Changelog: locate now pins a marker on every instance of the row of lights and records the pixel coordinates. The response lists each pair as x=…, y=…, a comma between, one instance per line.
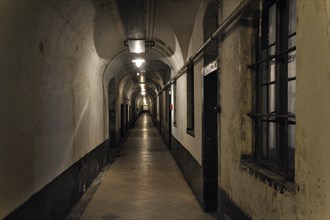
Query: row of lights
x=143, y=89
x=138, y=47
x=138, y=63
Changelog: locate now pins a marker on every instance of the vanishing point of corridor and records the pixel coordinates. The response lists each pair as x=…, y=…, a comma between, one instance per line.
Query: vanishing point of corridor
x=144, y=182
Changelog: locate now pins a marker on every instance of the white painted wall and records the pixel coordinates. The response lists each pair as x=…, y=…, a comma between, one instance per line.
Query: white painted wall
x=51, y=96
x=192, y=144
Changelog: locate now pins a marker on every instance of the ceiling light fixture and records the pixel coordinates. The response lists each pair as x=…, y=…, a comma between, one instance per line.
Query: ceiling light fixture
x=143, y=88
x=136, y=46
x=142, y=79
x=138, y=62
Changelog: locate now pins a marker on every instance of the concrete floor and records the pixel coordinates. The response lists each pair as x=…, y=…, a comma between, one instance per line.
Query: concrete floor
x=144, y=183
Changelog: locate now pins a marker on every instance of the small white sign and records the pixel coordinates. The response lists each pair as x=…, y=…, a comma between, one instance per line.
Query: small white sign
x=210, y=67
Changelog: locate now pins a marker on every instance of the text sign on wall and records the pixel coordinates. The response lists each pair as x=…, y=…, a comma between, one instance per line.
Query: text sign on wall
x=210, y=67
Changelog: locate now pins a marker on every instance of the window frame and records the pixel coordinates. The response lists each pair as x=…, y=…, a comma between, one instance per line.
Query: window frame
x=280, y=116
x=174, y=104
x=190, y=100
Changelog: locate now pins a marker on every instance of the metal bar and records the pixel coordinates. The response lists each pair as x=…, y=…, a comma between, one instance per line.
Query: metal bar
x=268, y=83
x=234, y=16
x=271, y=114
x=272, y=57
x=291, y=35
x=292, y=78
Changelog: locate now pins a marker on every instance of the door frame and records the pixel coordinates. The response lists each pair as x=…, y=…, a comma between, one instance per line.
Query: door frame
x=169, y=118
x=122, y=120
x=210, y=188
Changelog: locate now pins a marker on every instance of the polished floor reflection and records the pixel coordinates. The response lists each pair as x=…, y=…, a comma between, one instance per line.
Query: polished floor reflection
x=144, y=183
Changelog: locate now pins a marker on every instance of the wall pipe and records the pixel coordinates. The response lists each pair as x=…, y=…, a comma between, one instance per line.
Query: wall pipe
x=232, y=18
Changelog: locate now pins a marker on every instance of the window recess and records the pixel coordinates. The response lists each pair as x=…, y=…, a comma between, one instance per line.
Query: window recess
x=275, y=88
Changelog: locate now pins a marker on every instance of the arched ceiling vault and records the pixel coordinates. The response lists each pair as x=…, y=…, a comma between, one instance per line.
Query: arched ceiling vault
x=168, y=23
x=129, y=83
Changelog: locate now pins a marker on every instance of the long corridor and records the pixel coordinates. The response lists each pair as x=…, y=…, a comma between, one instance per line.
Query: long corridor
x=144, y=182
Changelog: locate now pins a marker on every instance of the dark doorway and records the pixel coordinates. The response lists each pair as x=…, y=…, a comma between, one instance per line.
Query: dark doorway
x=154, y=109
x=210, y=143
x=112, y=128
x=127, y=119
x=160, y=112
x=133, y=115
x=169, y=119
x=113, y=133
x=122, y=120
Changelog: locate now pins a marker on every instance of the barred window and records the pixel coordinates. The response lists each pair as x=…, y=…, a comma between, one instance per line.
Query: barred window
x=275, y=87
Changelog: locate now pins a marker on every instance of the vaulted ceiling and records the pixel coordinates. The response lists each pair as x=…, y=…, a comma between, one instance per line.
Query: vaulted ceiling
x=167, y=23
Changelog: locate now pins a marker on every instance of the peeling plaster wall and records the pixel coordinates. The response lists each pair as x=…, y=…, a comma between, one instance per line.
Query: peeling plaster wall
x=313, y=113
x=51, y=96
x=310, y=198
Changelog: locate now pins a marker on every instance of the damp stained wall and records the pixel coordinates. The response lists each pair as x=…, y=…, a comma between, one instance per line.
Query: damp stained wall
x=309, y=198
x=51, y=96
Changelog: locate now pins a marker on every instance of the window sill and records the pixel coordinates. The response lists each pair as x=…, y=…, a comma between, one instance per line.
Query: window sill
x=191, y=132
x=278, y=182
